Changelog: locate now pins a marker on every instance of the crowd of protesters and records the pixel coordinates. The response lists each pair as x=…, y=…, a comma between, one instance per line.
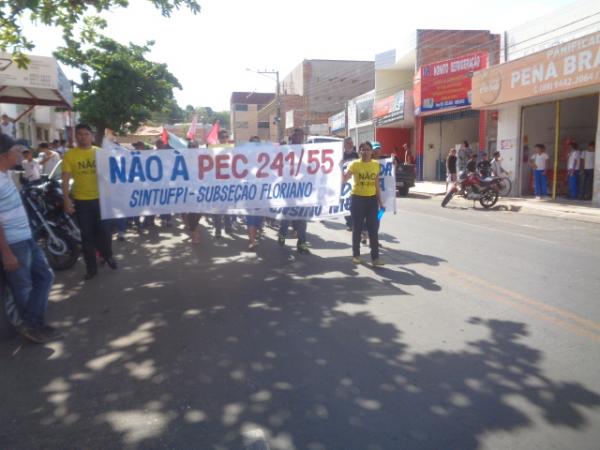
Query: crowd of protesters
x=26, y=270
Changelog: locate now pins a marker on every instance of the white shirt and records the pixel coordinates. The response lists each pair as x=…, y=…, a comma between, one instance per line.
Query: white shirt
x=573, y=162
x=589, y=159
x=51, y=163
x=8, y=129
x=497, y=168
x=32, y=170
x=539, y=159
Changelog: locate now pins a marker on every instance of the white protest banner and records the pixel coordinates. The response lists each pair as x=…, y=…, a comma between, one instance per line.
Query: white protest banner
x=339, y=208
x=134, y=183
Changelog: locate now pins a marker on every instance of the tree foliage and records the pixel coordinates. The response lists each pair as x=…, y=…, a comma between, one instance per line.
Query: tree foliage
x=66, y=15
x=120, y=89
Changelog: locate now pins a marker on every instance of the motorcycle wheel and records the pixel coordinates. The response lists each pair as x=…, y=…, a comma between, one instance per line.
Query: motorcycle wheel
x=447, y=198
x=504, y=187
x=488, y=198
x=63, y=253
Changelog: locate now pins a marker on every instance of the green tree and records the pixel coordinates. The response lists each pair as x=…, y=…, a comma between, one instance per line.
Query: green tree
x=65, y=15
x=171, y=113
x=120, y=88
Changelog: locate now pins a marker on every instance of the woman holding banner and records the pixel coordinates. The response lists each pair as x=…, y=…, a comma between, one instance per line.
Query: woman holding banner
x=366, y=201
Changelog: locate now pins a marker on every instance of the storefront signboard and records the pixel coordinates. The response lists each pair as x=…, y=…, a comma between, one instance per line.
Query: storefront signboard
x=445, y=85
x=337, y=122
x=572, y=65
x=389, y=109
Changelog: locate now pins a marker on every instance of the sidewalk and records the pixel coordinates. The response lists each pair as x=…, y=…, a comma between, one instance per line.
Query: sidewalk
x=563, y=208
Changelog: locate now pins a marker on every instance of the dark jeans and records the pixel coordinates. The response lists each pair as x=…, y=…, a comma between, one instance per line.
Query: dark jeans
x=30, y=284
x=95, y=233
x=220, y=220
x=298, y=225
x=365, y=208
x=588, y=183
x=192, y=220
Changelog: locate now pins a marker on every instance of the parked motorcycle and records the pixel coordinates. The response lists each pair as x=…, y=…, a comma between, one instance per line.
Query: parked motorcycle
x=472, y=187
x=56, y=230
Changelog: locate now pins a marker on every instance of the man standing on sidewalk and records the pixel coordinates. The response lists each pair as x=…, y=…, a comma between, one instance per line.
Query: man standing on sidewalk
x=80, y=163
x=588, y=161
x=538, y=164
x=27, y=272
x=573, y=170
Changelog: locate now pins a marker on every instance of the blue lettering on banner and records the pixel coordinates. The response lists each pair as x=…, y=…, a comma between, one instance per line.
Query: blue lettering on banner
x=153, y=169
x=153, y=197
x=303, y=212
x=227, y=193
x=180, y=169
x=286, y=191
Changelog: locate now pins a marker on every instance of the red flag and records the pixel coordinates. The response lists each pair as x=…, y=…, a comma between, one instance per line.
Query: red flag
x=191, y=134
x=213, y=135
x=165, y=136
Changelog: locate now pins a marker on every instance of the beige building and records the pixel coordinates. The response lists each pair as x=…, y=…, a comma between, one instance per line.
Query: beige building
x=244, y=107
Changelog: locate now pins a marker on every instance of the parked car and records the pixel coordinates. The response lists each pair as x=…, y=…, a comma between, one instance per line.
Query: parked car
x=405, y=178
x=320, y=139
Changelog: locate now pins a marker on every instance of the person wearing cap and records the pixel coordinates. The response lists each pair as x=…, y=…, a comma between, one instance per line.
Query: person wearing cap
x=80, y=163
x=27, y=272
x=366, y=201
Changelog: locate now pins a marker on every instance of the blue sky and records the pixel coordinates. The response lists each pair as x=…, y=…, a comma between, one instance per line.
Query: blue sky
x=209, y=52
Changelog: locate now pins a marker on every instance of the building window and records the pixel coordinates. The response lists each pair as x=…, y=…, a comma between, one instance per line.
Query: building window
x=241, y=107
x=364, y=110
x=241, y=125
x=263, y=124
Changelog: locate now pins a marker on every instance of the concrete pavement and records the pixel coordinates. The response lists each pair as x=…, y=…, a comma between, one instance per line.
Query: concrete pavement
x=560, y=207
x=482, y=332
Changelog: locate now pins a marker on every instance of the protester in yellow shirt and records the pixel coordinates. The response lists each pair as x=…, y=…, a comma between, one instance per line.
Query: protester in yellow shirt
x=366, y=201
x=80, y=163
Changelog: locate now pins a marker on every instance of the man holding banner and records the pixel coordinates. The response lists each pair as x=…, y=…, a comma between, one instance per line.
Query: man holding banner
x=366, y=201
x=299, y=225
x=80, y=163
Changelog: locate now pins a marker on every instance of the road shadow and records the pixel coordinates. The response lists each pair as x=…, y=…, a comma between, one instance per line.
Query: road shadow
x=212, y=347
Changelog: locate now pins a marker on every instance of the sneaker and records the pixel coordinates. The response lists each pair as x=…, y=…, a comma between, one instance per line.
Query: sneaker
x=537, y=197
x=281, y=241
x=33, y=334
x=252, y=247
x=377, y=263
x=303, y=249
x=111, y=263
x=50, y=332
x=218, y=235
x=348, y=228
x=356, y=260
x=90, y=274
x=121, y=236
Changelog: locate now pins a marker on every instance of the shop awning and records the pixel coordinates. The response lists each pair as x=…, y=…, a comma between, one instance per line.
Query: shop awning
x=42, y=83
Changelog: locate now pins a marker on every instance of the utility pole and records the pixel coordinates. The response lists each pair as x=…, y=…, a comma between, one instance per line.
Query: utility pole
x=277, y=101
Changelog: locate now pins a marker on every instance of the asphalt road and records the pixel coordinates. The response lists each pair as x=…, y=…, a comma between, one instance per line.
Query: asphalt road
x=482, y=332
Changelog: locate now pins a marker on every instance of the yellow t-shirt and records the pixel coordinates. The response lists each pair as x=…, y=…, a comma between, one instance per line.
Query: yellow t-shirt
x=366, y=177
x=81, y=164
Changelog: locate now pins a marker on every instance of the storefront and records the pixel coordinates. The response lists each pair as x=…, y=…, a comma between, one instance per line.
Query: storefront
x=444, y=116
x=550, y=98
x=393, y=119
x=360, y=118
x=337, y=124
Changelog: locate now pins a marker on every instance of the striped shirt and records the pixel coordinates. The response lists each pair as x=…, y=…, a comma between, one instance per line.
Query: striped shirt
x=13, y=217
